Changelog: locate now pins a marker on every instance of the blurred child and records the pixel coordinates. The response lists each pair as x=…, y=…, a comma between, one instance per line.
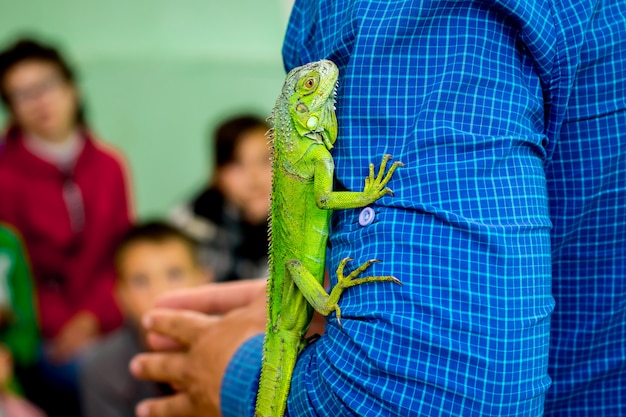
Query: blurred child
x=152, y=259
x=229, y=217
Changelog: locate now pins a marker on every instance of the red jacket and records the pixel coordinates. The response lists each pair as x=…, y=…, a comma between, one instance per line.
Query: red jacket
x=73, y=270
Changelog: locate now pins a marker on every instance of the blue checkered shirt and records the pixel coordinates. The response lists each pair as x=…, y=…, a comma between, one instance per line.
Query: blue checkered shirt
x=508, y=116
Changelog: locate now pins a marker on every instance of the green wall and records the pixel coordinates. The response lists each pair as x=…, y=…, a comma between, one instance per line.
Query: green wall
x=158, y=75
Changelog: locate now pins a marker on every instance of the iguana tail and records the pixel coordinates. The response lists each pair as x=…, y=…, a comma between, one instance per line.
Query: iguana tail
x=276, y=374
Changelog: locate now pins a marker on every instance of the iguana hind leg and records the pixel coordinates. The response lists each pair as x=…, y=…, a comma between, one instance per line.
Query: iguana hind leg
x=315, y=294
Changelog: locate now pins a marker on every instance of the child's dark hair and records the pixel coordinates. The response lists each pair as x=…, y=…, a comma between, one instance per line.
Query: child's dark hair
x=154, y=231
x=228, y=135
x=27, y=49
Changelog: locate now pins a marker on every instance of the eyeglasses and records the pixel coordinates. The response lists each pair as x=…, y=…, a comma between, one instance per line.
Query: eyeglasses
x=32, y=92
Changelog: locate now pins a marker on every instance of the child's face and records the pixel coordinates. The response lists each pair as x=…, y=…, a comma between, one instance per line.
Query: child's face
x=150, y=269
x=247, y=181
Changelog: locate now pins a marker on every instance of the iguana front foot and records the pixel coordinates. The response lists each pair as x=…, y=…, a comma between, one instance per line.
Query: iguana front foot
x=351, y=280
x=376, y=185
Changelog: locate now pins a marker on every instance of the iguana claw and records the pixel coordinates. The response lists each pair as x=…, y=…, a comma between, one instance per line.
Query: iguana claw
x=351, y=280
x=376, y=183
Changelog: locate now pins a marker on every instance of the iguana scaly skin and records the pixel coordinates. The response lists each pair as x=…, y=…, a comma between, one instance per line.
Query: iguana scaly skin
x=304, y=129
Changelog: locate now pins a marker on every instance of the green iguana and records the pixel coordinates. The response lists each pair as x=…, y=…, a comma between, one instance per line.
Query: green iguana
x=304, y=129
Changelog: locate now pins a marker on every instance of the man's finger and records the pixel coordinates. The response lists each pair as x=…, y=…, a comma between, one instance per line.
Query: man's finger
x=181, y=325
x=178, y=405
x=217, y=298
x=162, y=343
x=162, y=367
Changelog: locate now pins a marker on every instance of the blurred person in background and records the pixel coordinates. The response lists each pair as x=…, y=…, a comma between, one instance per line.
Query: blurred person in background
x=66, y=193
x=152, y=259
x=229, y=218
x=19, y=333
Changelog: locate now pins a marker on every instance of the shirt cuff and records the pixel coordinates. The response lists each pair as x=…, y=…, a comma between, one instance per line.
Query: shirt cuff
x=241, y=381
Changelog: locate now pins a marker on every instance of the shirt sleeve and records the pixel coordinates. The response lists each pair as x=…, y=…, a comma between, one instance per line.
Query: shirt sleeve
x=240, y=384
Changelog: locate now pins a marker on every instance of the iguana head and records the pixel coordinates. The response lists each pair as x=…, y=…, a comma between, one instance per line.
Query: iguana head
x=310, y=91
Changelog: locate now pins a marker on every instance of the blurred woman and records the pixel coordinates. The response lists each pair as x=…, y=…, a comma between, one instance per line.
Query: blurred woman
x=67, y=195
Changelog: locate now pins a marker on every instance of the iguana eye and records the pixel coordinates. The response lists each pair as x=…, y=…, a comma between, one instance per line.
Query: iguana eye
x=309, y=83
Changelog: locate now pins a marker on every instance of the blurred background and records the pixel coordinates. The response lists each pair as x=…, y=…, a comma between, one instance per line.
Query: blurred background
x=159, y=75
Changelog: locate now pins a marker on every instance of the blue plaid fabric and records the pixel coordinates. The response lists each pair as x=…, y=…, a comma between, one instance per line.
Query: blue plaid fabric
x=507, y=115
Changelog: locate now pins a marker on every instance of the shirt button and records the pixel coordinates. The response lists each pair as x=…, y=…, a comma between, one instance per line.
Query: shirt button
x=367, y=216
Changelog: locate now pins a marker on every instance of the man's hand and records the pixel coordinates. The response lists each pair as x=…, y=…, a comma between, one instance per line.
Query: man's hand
x=205, y=345
x=216, y=298
x=195, y=347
